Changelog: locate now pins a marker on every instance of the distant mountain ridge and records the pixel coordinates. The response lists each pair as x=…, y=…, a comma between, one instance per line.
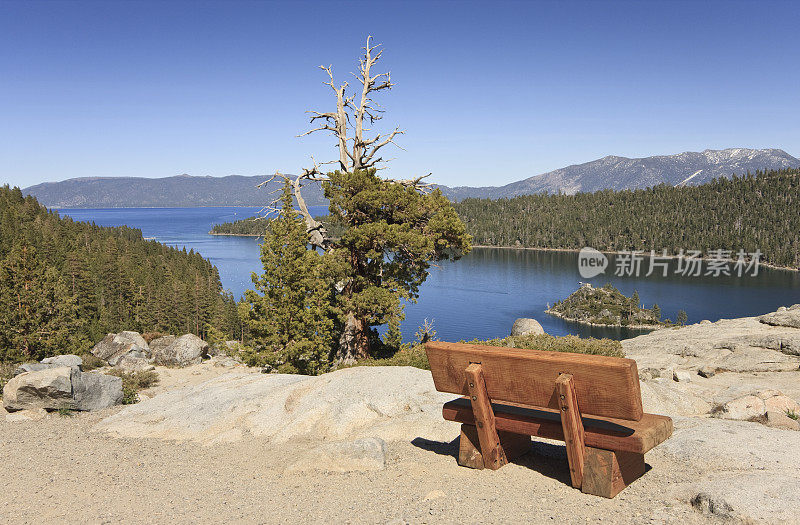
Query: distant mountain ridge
x=612, y=172
x=619, y=173
x=180, y=191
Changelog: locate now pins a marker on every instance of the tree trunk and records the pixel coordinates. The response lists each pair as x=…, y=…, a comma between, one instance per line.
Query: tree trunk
x=354, y=341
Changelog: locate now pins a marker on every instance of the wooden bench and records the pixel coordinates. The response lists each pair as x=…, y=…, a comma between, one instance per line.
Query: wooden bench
x=592, y=403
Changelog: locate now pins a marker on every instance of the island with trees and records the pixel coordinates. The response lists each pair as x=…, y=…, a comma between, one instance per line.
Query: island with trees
x=607, y=306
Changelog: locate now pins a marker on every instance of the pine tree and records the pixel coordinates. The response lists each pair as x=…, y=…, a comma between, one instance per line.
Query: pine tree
x=65, y=284
x=37, y=312
x=392, y=235
x=289, y=314
x=682, y=318
x=393, y=339
x=656, y=312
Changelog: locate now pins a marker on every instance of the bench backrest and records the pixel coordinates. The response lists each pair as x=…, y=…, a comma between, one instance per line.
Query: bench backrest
x=605, y=386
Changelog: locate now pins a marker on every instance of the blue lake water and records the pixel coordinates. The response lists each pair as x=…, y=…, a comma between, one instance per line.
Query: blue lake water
x=480, y=295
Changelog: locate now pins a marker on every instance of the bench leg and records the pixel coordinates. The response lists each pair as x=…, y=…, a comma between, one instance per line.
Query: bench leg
x=607, y=472
x=572, y=425
x=469, y=447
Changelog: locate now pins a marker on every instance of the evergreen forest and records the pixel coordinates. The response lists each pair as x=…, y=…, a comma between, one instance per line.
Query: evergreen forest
x=65, y=284
x=751, y=212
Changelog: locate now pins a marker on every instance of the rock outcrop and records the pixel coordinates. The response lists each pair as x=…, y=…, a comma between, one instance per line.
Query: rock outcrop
x=62, y=388
x=524, y=326
x=47, y=363
x=390, y=403
x=768, y=406
x=32, y=367
x=741, y=471
x=182, y=351
x=789, y=317
x=730, y=345
x=134, y=362
x=159, y=344
x=114, y=346
x=48, y=389
x=129, y=352
x=95, y=391
x=31, y=414
x=63, y=360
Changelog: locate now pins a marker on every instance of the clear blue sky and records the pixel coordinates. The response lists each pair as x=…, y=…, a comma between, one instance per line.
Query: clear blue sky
x=488, y=92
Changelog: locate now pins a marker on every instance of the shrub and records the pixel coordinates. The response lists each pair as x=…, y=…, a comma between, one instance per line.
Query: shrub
x=414, y=355
x=150, y=336
x=91, y=362
x=568, y=343
x=133, y=382
x=409, y=355
x=6, y=373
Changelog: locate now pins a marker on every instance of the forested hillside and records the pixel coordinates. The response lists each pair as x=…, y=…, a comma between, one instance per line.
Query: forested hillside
x=65, y=284
x=751, y=212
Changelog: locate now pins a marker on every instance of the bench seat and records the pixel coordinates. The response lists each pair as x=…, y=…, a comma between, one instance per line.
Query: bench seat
x=600, y=432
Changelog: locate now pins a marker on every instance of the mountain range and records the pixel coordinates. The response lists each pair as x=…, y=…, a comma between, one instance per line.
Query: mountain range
x=181, y=191
x=617, y=173
x=621, y=173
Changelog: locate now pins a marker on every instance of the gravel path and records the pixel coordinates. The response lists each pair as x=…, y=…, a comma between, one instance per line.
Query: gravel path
x=58, y=470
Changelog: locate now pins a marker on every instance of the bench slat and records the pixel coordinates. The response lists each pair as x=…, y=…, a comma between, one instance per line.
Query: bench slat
x=599, y=432
x=605, y=386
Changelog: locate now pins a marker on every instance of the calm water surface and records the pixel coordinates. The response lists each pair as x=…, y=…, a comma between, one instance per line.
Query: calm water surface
x=480, y=295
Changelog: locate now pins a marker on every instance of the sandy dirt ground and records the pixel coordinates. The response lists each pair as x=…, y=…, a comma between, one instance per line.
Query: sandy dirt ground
x=60, y=471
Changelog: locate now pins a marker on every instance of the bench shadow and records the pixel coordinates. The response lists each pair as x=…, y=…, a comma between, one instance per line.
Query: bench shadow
x=548, y=459
x=442, y=448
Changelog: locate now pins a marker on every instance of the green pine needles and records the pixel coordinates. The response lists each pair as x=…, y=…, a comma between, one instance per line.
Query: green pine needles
x=312, y=310
x=289, y=315
x=65, y=284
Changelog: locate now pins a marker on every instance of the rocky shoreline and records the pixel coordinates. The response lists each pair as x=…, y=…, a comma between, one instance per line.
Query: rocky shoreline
x=237, y=234
x=650, y=327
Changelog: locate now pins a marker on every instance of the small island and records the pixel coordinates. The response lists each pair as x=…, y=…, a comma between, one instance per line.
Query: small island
x=256, y=226
x=607, y=306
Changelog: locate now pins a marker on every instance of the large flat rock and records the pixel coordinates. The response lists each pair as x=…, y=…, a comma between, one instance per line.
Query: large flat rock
x=736, y=345
x=391, y=403
x=746, y=467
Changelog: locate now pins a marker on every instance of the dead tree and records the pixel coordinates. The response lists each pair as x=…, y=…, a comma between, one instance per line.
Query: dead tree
x=355, y=153
x=359, y=149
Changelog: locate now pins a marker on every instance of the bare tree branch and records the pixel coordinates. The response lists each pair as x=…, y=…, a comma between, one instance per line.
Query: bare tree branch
x=317, y=234
x=356, y=152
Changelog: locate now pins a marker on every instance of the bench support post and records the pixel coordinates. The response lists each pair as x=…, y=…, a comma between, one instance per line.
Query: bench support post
x=492, y=451
x=469, y=447
x=608, y=472
x=573, y=428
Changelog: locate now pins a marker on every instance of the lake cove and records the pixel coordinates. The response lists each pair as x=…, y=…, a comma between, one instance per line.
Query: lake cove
x=482, y=294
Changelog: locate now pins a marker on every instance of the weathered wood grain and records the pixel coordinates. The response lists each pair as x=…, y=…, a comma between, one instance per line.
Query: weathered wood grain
x=572, y=426
x=607, y=472
x=491, y=449
x=605, y=386
x=469, y=448
x=469, y=451
x=607, y=433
